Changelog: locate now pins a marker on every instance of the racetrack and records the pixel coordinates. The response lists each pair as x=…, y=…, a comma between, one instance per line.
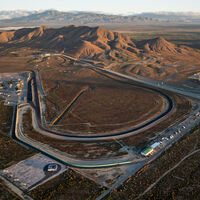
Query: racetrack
x=129, y=132
x=20, y=136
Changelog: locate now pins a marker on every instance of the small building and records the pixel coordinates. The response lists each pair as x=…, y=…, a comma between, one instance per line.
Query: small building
x=156, y=144
x=147, y=151
x=52, y=167
x=45, y=54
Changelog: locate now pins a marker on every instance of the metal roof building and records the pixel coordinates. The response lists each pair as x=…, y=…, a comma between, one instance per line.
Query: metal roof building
x=156, y=144
x=146, y=152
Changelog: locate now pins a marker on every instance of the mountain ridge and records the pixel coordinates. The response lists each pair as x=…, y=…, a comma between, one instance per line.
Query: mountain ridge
x=85, y=41
x=61, y=18
x=80, y=41
x=54, y=17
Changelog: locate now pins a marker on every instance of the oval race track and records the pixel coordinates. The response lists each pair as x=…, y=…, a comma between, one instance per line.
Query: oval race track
x=120, y=134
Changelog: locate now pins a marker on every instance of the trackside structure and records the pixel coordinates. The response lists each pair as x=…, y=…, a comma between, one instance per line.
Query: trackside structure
x=147, y=151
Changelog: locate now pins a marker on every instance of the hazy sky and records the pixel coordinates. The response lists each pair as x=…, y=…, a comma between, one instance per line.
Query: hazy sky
x=107, y=6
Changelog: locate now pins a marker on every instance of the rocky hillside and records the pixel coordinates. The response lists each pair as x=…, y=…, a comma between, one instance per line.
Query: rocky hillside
x=161, y=46
x=82, y=41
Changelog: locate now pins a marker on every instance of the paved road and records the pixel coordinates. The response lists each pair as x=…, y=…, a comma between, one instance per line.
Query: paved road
x=139, y=79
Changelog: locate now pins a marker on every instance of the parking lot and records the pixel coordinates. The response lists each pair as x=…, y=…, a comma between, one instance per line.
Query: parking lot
x=33, y=171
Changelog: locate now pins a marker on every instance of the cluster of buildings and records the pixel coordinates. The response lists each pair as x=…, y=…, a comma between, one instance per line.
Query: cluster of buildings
x=151, y=149
x=11, y=84
x=195, y=76
x=11, y=90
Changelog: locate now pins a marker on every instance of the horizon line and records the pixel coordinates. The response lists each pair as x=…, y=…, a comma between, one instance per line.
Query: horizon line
x=102, y=12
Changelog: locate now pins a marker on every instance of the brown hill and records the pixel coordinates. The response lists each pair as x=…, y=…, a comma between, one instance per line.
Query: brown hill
x=6, y=36
x=93, y=42
x=159, y=45
x=82, y=41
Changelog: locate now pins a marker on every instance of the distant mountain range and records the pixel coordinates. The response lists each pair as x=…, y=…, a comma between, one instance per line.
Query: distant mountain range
x=54, y=17
x=58, y=18
x=173, y=16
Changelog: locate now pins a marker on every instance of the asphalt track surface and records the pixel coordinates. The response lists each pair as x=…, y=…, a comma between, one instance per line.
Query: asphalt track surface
x=110, y=163
x=128, y=132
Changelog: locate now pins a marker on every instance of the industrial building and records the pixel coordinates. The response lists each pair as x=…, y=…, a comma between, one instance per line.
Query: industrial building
x=156, y=144
x=147, y=151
